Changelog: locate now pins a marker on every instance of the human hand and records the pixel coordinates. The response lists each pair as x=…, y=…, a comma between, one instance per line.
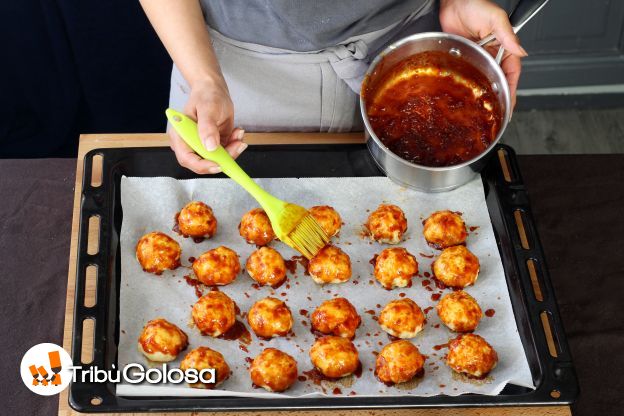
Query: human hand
x=211, y=107
x=476, y=19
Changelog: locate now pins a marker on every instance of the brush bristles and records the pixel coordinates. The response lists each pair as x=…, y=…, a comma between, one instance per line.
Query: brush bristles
x=308, y=237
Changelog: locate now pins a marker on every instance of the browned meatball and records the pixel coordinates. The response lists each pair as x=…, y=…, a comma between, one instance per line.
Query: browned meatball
x=162, y=341
x=273, y=370
x=459, y=311
x=456, y=267
x=266, y=266
x=157, y=252
x=334, y=357
x=255, y=227
x=330, y=265
x=445, y=229
x=472, y=355
x=217, y=267
x=402, y=318
x=387, y=224
x=398, y=362
x=270, y=317
x=204, y=358
x=336, y=317
x=395, y=267
x=328, y=218
x=214, y=313
x=197, y=220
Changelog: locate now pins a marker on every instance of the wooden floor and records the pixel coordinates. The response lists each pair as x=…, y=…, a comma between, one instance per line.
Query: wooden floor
x=566, y=131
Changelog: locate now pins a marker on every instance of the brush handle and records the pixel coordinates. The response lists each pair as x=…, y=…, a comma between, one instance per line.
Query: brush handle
x=187, y=129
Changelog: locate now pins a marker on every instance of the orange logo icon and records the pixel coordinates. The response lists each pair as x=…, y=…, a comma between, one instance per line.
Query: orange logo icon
x=45, y=369
x=55, y=367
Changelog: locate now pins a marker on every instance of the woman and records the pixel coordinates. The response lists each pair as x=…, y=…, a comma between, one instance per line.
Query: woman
x=294, y=64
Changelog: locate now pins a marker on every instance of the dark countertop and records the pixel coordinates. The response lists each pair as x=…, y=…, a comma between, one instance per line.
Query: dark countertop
x=577, y=202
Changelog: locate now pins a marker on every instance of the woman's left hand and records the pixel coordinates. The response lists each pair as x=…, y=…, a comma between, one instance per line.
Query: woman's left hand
x=476, y=19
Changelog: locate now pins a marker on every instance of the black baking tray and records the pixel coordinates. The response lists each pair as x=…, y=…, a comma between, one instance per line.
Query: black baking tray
x=551, y=368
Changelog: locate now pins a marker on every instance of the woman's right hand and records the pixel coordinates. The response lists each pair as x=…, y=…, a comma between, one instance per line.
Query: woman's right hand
x=211, y=107
x=181, y=27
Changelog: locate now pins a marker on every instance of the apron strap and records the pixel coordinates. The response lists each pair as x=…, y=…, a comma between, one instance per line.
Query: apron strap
x=350, y=64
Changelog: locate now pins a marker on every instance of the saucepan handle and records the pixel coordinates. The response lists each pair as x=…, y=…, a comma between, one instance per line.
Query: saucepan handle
x=524, y=11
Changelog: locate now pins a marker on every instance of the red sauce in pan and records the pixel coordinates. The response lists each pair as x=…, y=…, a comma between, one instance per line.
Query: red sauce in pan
x=432, y=118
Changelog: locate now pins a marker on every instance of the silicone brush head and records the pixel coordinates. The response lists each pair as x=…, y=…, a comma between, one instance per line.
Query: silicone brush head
x=297, y=228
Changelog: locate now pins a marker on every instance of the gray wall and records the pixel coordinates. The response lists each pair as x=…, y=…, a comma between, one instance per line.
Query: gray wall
x=573, y=43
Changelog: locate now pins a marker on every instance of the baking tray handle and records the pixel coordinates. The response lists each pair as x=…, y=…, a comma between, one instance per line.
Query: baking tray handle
x=534, y=279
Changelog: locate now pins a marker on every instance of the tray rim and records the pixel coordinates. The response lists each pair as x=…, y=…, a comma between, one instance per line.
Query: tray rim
x=515, y=185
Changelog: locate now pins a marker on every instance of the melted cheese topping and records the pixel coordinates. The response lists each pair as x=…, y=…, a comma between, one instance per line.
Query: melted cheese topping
x=217, y=267
x=445, y=229
x=196, y=219
x=328, y=218
x=273, y=370
x=387, y=224
x=266, y=266
x=456, y=267
x=157, y=252
x=330, y=265
x=270, y=317
x=214, y=313
x=395, y=267
x=161, y=340
x=334, y=357
x=202, y=358
x=459, y=311
x=402, y=318
x=398, y=362
x=336, y=317
x=471, y=354
x=255, y=227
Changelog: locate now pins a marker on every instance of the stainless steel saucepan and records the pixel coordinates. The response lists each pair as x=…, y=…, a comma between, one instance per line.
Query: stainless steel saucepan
x=438, y=179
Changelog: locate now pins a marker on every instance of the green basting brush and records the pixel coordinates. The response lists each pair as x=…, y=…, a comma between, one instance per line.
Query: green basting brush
x=291, y=223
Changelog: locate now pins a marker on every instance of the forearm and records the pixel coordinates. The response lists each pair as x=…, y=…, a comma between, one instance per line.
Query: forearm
x=181, y=28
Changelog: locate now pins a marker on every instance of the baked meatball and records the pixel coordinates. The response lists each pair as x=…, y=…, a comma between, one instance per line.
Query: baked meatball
x=162, y=341
x=270, y=317
x=398, y=362
x=214, y=313
x=395, y=267
x=386, y=224
x=203, y=358
x=328, y=218
x=402, y=318
x=456, y=267
x=266, y=266
x=330, y=265
x=217, y=267
x=273, y=370
x=157, y=252
x=334, y=357
x=472, y=355
x=336, y=317
x=445, y=229
x=459, y=311
x=197, y=220
x=255, y=227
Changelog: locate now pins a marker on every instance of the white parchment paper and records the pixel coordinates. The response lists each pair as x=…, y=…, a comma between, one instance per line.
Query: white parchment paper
x=149, y=204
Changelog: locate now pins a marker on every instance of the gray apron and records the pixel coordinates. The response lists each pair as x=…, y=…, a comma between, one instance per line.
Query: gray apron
x=282, y=90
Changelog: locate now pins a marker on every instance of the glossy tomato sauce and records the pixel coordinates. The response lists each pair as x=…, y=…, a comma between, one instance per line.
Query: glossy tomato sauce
x=433, y=109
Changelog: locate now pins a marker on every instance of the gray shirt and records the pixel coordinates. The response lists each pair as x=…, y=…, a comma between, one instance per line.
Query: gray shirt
x=304, y=25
